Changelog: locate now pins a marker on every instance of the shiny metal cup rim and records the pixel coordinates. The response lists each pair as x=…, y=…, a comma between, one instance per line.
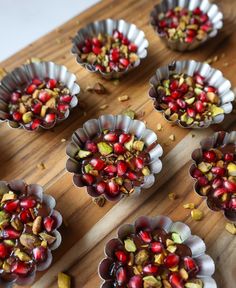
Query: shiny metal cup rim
x=207, y=143
x=93, y=127
x=212, y=10
x=213, y=76
x=38, y=191
x=106, y=26
x=26, y=73
x=195, y=243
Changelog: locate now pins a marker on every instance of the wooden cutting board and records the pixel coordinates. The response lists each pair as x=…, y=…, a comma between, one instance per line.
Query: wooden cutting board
x=88, y=227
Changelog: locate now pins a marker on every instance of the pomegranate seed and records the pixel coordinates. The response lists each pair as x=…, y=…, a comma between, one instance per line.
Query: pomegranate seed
x=25, y=216
x=66, y=98
x=218, y=171
x=202, y=181
x=114, y=55
x=205, y=27
x=20, y=268
x=167, y=99
x=121, y=256
x=100, y=68
x=97, y=163
x=113, y=188
x=145, y=236
x=216, y=183
x=28, y=203
x=123, y=138
x=190, y=265
x=191, y=33
x=91, y=146
x=96, y=42
x=173, y=106
x=10, y=233
x=132, y=47
x=44, y=96
x=156, y=247
x=86, y=49
x=209, y=156
x=171, y=260
x=39, y=253
x=88, y=42
x=17, y=116
x=191, y=112
x=230, y=186
x=35, y=124
x=124, y=62
x=31, y=88
x=15, y=96
x=119, y=148
x=101, y=187
x=50, y=118
x=203, y=18
x=174, y=85
x=199, y=79
x=52, y=83
x=36, y=81
x=162, y=24
x=229, y=157
x=182, y=104
x=63, y=107
x=117, y=34
x=210, y=89
x=121, y=168
x=199, y=107
x=139, y=162
x=176, y=281
x=113, y=66
x=49, y=223
x=188, y=39
x=135, y=282
x=111, y=137
x=132, y=176
x=125, y=41
x=150, y=269
x=121, y=276
x=202, y=96
x=175, y=94
x=37, y=108
x=11, y=206
x=96, y=50
x=3, y=251
x=88, y=179
x=110, y=169
x=183, y=88
x=196, y=173
x=197, y=11
x=219, y=192
x=232, y=204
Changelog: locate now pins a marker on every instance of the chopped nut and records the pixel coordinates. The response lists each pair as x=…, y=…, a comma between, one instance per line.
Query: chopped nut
x=197, y=214
x=123, y=98
x=99, y=201
x=172, y=137
x=129, y=113
x=8, y=196
x=33, y=60
x=99, y=88
x=29, y=241
x=63, y=140
x=64, y=281
x=172, y=196
x=176, y=238
x=141, y=257
x=104, y=148
x=138, y=145
x=103, y=107
x=231, y=228
x=37, y=225
x=215, y=58
x=130, y=245
x=41, y=166
x=189, y=206
x=159, y=127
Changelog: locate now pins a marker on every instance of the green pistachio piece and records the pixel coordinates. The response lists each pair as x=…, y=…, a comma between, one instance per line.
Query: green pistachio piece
x=231, y=169
x=196, y=284
x=129, y=113
x=166, y=83
x=88, y=168
x=9, y=242
x=128, y=145
x=4, y=219
x=189, y=121
x=204, y=167
x=83, y=154
x=104, y=148
x=215, y=110
x=197, y=91
x=152, y=282
x=130, y=245
x=22, y=255
x=48, y=238
x=176, y=238
x=141, y=257
x=138, y=145
x=146, y=171
x=171, y=248
x=27, y=117
x=29, y=241
x=184, y=117
x=190, y=100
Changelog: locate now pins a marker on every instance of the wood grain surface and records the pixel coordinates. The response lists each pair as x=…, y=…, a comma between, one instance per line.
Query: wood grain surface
x=88, y=227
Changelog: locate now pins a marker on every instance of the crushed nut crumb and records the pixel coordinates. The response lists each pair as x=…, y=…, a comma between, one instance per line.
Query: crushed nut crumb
x=103, y=107
x=159, y=127
x=63, y=280
x=41, y=166
x=172, y=137
x=123, y=98
x=189, y=206
x=197, y=214
x=63, y=140
x=100, y=201
x=129, y=113
x=231, y=228
x=172, y=196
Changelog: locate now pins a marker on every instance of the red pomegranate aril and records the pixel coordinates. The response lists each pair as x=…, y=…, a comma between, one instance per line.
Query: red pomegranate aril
x=229, y=157
x=219, y=192
x=63, y=107
x=171, y=260
x=218, y=171
x=202, y=181
x=97, y=163
x=20, y=267
x=197, y=11
x=210, y=89
x=28, y=203
x=37, y=108
x=121, y=256
x=139, y=162
x=132, y=47
x=91, y=146
x=117, y=34
x=111, y=137
x=197, y=173
x=86, y=49
x=174, y=85
x=110, y=169
x=88, y=179
x=121, y=276
x=232, y=204
x=190, y=265
x=176, y=281
x=132, y=176
x=166, y=99
x=31, y=88
x=199, y=79
x=50, y=118
x=209, y=156
x=113, y=188
x=205, y=27
x=175, y=94
x=124, y=62
x=114, y=56
x=189, y=39
x=3, y=251
x=200, y=108
x=25, y=216
x=49, y=223
x=52, y=83
x=216, y=183
x=15, y=96
x=121, y=168
x=119, y=148
x=145, y=236
x=156, y=247
x=150, y=269
x=10, y=233
x=191, y=112
x=173, y=106
x=36, y=81
x=88, y=42
x=135, y=282
x=39, y=253
x=125, y=41
x=230, y=186
x=11, y=206
x=202, y=96
x=181, y=103
x=191, y=33
x=96, y=42
x=123, y=138
x=96, y=50
x=183, y=88
x=17, y=116
x=204, y=18
x=44, y=96
x=35, y=124
x=66, y=98
x=101, y=187
x=162, y=23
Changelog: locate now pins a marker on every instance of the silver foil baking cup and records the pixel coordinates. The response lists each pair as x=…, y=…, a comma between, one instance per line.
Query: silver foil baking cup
x=93, y=127
x=218, y=139
x=107, y=26
x=213, y=76
x=36, y=190
x=212, y=10
x=195, y=243
x=24, y=74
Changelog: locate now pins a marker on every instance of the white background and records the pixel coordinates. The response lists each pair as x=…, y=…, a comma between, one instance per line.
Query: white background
x=23, y=21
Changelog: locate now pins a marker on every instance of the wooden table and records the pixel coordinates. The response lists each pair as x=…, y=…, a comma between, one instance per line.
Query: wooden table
x=88, y=227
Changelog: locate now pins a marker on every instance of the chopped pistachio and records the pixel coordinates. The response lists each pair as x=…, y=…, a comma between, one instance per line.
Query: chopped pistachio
x=159, y=127
x=104, y=148
x=128, y=145
x=176, y=238
x=189, y=206
x=129, y=113
x=231, y=228
x=172, y=137
x=204, y=167
x=123, y=98
x=103, y=107
x=130, y=245
x=138, y=145
x=197, y=214
x=64, y=281
x=99, y=201
x=83, y=154
x=172, y=196
x=141, y=257
x=146, y=171
x=231, y=167
x=215, y=110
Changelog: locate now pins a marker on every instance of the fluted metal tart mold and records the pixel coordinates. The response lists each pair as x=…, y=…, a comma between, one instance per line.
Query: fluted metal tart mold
x=110, y=122
x=195, y=243
x=37, y=190
x=107, y=26
x=213, y=76
x=24, y=74
x=216, y=140
x=211, y=9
